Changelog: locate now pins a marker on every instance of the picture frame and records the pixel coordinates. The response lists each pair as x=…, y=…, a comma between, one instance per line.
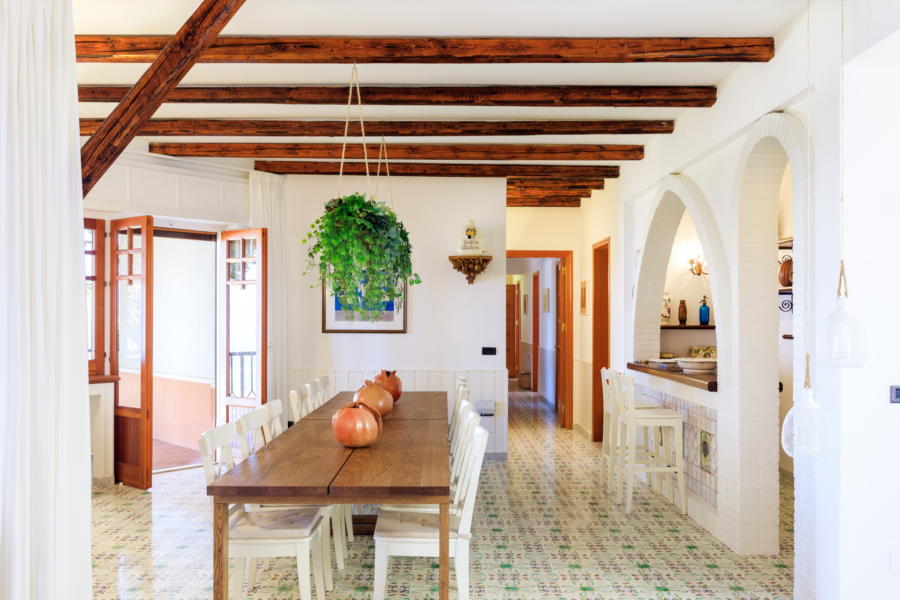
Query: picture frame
x=393, y=321
x=583, y=299
x=546, y=301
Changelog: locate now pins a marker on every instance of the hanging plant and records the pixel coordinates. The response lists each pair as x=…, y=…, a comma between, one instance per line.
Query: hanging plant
x=361, y=251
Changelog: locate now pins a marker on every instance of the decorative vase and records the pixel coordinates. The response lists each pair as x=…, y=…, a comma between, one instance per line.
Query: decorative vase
x=786, y=272
x=682, y=312
x=375, y=397
x=356, y=425
x=704, y=311
x=389, y=381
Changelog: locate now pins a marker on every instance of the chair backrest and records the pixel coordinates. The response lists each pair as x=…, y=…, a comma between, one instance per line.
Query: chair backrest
x=458, y=457
x=622, y=387
x=217, y=441
x=307, y=401
x=253, y=430
x=276, y=416
x=325, y=381
x=315, y=396
x=294, y=404
x=456, y=418
x=469, y=481
x=609, y=400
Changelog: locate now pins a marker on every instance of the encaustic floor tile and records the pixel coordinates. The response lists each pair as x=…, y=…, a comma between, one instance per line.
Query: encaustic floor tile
x=544, y=527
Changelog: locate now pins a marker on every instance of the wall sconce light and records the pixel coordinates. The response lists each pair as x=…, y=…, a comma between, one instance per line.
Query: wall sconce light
x=698, y=266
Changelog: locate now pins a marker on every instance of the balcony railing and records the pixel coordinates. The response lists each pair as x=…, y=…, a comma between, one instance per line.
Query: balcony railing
x=242, y=368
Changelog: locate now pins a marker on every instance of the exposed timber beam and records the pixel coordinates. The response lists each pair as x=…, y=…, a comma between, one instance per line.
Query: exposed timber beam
x=407, y=169
x=137, y=104
x=409, y=151
x=537, y=194
x=548, y=201
x=488, y=95
x=546, y=183
x=243, y=49
x=246, y=127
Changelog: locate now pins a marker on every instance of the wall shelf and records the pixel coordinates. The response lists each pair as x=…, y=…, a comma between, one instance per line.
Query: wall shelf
x=704, y=382
x=667, y=327
x=470, y=265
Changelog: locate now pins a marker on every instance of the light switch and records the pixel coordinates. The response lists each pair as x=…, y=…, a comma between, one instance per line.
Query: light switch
x=895, y=559
x=895, y=394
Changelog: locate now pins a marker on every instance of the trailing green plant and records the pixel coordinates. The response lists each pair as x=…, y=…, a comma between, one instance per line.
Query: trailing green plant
x=361, y=251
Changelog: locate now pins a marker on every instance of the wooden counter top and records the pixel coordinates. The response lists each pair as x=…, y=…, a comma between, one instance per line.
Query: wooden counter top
x=704, y=382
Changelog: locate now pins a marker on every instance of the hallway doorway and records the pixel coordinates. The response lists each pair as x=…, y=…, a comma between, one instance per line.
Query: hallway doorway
x=599, y=334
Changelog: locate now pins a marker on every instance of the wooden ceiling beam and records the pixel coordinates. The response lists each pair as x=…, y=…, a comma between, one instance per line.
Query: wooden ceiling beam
x=407, y=169
x=346, y=50
x=137, y=104
x=534, y=193
x=270, y=127
x=488, y=95
x=408, y=151
x=548, y=201
x=544, y=183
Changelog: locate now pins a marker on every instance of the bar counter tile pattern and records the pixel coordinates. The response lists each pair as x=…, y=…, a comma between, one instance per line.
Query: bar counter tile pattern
x=696, y=420
x=544, y=528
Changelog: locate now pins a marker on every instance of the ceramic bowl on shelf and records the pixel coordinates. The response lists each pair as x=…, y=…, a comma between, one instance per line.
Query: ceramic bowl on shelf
x=697, y=366
x=669, y=364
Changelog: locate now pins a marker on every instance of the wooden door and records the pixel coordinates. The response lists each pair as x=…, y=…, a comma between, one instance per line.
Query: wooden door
x=559, y=395
x=535, y=329
x=131, y=356
x=245, y=260
x=513, y=334
x=600, y=335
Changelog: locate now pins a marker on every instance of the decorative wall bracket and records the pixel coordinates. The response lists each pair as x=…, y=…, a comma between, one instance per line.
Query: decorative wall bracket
x=471, y=265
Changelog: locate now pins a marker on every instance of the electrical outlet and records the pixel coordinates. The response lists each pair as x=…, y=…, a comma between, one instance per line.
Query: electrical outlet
x=895, y=394
x=488, y=351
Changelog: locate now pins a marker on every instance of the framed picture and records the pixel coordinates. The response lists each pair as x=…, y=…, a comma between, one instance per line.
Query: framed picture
x=583, y=298
x=336, y=320
x=545, y=305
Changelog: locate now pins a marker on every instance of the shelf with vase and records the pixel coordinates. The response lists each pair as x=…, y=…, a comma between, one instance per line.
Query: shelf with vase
x=687, y=327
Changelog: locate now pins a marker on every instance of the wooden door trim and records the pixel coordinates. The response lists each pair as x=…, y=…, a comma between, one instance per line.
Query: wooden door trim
x=535, y=329
x=567, y=260
x=600, y=348
x=510, y=308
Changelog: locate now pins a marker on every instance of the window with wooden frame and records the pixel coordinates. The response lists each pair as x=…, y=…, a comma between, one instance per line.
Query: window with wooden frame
x=94, y=243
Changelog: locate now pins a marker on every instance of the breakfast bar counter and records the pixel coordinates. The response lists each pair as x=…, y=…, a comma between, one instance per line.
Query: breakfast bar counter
x=703, y=382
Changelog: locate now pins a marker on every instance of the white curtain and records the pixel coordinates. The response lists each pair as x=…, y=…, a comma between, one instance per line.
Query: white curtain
x=45, y=545
x=267, y=209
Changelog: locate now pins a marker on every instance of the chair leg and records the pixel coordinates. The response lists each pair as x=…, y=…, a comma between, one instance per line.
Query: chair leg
x=324, y=543
x=630, y=443
x=679, y=463
x=315, y=547
x=348, y=514
x=303, y=573
x=619, y=467
x=337, y=530
x=252, y=564
x=379, y=586
x=462, y=570
x=237, y=577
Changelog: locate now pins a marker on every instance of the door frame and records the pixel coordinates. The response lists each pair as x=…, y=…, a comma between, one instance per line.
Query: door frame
x=600, y=343
x=513, y=304
x=564, y=387
x=535, y=329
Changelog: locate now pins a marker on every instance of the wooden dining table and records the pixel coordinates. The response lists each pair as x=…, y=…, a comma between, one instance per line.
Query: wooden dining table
x=408, y=464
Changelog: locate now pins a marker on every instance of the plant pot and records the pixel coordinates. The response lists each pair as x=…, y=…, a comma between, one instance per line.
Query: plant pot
x=356, y=425
x=786, y=272
x=389, y=381
x=375, y=397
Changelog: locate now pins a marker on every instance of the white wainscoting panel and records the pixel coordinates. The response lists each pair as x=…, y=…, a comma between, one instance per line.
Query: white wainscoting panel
x=102, y=397
x=488, y=389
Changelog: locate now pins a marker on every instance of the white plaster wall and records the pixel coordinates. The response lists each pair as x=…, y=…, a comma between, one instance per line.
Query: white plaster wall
x=449, y=321
x=680, y=282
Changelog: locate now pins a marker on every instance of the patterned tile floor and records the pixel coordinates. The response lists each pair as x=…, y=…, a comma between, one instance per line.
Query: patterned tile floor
x=544, y=528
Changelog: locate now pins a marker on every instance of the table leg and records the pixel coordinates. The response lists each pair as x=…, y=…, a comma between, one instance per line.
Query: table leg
x=444, y=552
x=220, y=550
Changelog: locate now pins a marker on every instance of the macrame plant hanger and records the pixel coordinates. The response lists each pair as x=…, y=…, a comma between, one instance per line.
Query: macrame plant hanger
x=382, y=154
x=354, y=84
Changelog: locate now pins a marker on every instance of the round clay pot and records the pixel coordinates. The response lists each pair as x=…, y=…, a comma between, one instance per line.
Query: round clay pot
x=356, y=425
x=786, y=272
x=389, y=381
x=375, y=397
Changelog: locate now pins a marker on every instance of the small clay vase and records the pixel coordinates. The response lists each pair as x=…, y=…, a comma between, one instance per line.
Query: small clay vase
x=375, y=397
x=356, y=425
x=389, y=381
x=682, y=313
x=786, y=272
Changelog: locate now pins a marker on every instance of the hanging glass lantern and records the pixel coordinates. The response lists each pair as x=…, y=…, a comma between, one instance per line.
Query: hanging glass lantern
x=847, y=344
x=801, y=434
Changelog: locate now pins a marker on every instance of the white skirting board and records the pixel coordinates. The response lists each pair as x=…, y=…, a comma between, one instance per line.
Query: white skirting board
x=488, y=389
x=102, y=398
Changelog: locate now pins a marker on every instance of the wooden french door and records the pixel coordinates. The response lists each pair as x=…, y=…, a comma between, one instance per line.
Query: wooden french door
x=535, y=330
x=245, y=257
x=600, y=335
x=558, y=396
x=131, y=356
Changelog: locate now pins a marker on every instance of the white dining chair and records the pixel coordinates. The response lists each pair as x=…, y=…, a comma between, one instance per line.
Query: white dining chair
x=253, y=433
x=415, y=534
x=325, y=387
x=294, y=533
x=630, y=457
x=276, y=416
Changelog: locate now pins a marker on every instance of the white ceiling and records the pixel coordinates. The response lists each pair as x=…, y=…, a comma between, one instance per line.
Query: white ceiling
x=565, y=18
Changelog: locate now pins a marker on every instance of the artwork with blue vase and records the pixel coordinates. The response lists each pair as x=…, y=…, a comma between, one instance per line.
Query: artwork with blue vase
x=704, y=311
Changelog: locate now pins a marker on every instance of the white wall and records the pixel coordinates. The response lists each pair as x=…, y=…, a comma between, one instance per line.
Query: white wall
x=449, y=320
x=184, y=302
x=680, y=282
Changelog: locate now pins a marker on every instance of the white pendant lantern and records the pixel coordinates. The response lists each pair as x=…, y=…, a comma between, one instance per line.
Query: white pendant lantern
x=846, y=340
x=801, y=434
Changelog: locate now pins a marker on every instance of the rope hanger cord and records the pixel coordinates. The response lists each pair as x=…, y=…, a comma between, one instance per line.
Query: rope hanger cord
x=354, y=82
x=382, y=151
